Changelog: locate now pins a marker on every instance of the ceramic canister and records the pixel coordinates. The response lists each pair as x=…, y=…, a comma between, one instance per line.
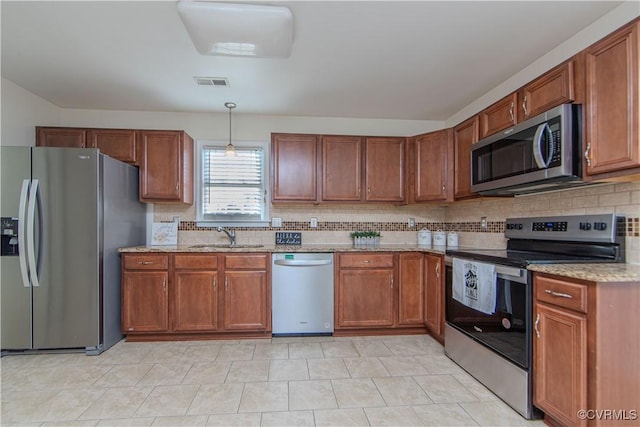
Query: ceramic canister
x=424, y=237
x=452, y=239
x=439, y=238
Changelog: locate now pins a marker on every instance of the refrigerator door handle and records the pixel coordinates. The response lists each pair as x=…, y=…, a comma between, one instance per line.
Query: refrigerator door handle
x=22, y=227
x=31, y=214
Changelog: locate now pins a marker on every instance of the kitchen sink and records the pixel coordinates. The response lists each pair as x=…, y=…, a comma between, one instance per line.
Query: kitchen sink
x=224, y=245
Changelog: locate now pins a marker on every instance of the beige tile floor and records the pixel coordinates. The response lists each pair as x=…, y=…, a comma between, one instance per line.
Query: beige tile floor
x=309, y=381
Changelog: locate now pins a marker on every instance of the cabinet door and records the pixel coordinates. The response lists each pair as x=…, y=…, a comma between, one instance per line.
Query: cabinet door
x=501, y=115
x=61, y=137
x=464, y=136
x=161, y=166
x=144, y=301
x=560, y=363
x=117, y=143
x=612, y=103
x=434, y=295
x=434, y=166
x=411, y=289
x=246, y=301
x=364, y=298
x=384, y=169
x=341, y=168
x=294, y=167
x=550, y=90
x=195, y=301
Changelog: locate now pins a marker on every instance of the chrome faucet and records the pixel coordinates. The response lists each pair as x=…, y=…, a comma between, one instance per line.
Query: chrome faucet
x=231, y=234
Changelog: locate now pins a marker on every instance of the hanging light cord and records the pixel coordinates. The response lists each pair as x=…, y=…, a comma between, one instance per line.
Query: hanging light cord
x=230, y=148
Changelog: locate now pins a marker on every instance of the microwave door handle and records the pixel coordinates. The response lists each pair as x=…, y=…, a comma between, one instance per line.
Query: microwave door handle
x=537, y=146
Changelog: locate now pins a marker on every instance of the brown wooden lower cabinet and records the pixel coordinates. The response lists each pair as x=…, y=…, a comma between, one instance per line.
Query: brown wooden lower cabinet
x=191, y=296
x=434, y=295
x=378, y=292
x=586, y=348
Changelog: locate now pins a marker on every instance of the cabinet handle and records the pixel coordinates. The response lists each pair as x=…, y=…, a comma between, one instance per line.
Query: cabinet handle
x=226, y=282
x=535, y=325
x=444, y=189
x=177, y=186
x=391, y=283
x=513, y=119
x=558, y=294
x=366, y=261
x=369, y=190
x=164, y=285
x=587, y=152
x=145, y=262
x=438, y=270
x=215, y=283
x=524, y=106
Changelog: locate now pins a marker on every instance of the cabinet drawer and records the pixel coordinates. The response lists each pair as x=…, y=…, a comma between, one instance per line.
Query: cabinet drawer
x=252, y=261
x=563, y=294
x=146, y=262
x=365, y=260
x=195, y=261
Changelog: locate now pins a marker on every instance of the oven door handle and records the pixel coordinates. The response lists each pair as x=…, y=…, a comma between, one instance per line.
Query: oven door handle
x=509, y=271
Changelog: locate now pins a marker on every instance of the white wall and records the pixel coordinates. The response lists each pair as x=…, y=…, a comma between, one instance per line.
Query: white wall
x=245, y=127
x=21, y=111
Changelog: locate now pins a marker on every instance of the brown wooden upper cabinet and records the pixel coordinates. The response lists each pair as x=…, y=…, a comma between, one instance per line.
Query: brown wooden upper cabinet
x=464, y=136
x=553, y=88
x=117, y=143
x=166, y=166
x=341, y=168
x=384, y=169
x=434, y=166
x=612, y=147
x=61, y=137
x=337, y=168
x=294, y=168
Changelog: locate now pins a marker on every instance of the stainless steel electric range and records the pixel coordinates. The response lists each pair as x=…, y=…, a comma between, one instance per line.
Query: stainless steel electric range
x=497, y=348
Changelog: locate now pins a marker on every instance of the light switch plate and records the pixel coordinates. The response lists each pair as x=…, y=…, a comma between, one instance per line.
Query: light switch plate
x=313, y=223
x=276, y=222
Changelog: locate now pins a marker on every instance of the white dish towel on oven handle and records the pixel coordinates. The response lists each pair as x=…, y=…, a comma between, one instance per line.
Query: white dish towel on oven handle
x=474, y=285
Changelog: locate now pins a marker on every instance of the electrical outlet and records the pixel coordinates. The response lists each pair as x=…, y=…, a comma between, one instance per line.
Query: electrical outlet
x=314, y=222
x=483, y=222
x=276, y=222
x=412, y=222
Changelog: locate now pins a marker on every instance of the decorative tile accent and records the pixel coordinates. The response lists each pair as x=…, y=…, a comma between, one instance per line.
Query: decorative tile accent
x=632, y=229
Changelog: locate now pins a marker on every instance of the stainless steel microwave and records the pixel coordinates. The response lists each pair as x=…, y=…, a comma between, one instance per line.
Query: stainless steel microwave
x=542, y=153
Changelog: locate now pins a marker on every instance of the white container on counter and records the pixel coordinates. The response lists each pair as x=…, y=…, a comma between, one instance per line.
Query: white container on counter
x=439, y=238
x=424, y=238
x=452, y=239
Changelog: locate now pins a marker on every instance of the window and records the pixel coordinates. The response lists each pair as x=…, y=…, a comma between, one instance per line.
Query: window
x=232, y=189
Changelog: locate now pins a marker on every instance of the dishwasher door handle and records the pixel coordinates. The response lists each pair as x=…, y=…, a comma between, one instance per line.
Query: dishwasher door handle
x=302, y=262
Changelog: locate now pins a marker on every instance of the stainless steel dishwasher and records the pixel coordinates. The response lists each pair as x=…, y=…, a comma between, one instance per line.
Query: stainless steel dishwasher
x=302, y=298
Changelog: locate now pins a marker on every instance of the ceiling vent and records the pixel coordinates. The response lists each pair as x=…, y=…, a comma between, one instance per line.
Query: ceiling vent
x=212, y=81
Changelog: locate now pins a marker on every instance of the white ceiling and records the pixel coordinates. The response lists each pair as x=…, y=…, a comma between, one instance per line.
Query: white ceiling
x=414, y=60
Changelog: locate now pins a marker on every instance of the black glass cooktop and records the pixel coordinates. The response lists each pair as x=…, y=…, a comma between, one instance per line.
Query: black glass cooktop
x=518, y=258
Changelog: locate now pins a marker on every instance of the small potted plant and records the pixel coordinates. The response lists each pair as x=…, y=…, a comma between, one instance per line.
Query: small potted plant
x=366, y=238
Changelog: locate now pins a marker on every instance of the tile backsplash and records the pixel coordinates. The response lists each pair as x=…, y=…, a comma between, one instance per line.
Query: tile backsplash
x=336, y=222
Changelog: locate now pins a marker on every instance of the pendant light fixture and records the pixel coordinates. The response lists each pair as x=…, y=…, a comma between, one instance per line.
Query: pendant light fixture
x=230, y=151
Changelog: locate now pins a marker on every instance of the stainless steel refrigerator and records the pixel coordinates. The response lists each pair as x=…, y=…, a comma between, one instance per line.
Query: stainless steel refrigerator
x=64, y=214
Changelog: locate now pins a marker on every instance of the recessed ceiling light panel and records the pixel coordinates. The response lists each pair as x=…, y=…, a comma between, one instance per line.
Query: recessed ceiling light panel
x=238, y=29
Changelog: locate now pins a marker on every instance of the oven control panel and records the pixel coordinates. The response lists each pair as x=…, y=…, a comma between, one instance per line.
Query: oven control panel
x=581, y=228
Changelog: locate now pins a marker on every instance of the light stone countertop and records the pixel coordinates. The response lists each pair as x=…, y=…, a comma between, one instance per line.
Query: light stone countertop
x=204, y=248
x=604, y=273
